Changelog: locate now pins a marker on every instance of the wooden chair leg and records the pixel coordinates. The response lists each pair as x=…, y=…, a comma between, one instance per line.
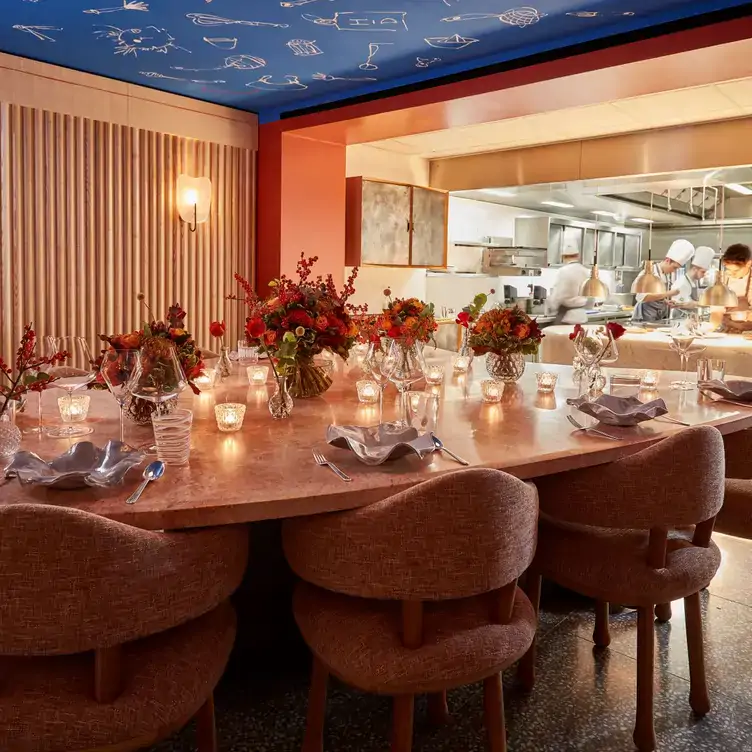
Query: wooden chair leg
x=663, y=612
x=698, y=686
x=644, y=732
x=206, y=729
x=601, y=632
x=493, y=706
x=314, y=733
x=402, y=723
x=438, y=710
x=526, y=666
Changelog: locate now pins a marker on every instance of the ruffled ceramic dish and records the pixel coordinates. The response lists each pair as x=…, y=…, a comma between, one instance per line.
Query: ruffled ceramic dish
x=620, y=411
x=84, y=464
x=375, y=445
x=732, y=391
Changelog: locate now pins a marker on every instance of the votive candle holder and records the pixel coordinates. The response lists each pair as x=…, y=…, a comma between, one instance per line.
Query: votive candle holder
x=368, y=391
x=73, y=409
x=461, y=363
x=491, y=390
x=229, y=416
x=434, y=374
x=257, y=375
x=547, y=382
x=205, y=382
x=650, y=379
x=247, y=355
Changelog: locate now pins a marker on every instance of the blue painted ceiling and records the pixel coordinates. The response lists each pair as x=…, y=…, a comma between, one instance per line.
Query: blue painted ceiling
x=272, y=56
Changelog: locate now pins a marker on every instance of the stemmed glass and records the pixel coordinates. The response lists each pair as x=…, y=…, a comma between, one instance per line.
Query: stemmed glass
x=157, y=375
x=116, y=369
x=377, y=364
x=405, y=364
x=74, y=374
x=38, y=429
x=682, y=340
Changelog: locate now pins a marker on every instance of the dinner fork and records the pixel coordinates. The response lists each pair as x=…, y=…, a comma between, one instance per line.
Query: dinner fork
x=667, y=419
x=319, y=459
x=580, y=427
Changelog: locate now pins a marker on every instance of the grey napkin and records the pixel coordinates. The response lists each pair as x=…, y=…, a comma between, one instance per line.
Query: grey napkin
x=620, y=411
x=374, y=445
x=736, y=391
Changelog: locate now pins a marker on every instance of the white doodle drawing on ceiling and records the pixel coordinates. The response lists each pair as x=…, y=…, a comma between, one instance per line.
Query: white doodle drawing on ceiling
x=366, y=20
x=206, y=19
x=290, y=82
x=127, y=5
x=521, y=17
x=596, y=13
x=223, y=43
x=425, y=62
x=373, y=48
x=38, y=31
x=327, y=77
x=133, y=41
x=455, y=42
x=296, y=3
x=304, y=47
x=239, y=62
x=154, y=74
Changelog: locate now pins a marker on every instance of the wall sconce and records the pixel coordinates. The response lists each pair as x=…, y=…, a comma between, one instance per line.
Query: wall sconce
x=194, y=200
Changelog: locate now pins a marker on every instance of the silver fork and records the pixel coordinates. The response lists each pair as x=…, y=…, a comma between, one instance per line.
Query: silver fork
x=580, y=427
x=319, y=459
x=666, y=419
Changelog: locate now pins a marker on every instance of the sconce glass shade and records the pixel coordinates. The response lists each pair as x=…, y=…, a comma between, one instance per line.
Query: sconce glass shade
x=594, y=287
x=194, y=199
x=648, y=283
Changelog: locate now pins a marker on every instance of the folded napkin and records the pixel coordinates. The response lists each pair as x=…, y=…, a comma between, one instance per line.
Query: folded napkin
x=374, y=445
x=620, y=411
x=736, y=391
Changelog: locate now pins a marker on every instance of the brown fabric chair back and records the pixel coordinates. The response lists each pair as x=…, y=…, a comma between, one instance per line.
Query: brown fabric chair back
x=71, y=581
x=456, y=536
x=674, y=483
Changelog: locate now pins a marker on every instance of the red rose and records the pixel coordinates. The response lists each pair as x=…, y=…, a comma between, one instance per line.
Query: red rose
x=255, y=327
x=464, y=319
x=577, y=330
x=493, y=292
x=298, y=317
x=217, y=328
x=616, y=329
x=387, y=292
x=394, y=332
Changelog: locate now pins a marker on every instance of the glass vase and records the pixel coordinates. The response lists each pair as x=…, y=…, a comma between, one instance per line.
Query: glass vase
x=308, y=379
x=10, y=436
x=140, y=411
x=465, y=349
x=281, y=403
x=404, y=365
x=506, y=367
x=224, y=366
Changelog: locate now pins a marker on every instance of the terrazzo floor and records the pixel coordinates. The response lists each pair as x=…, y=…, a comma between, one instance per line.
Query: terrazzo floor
x=582, y=702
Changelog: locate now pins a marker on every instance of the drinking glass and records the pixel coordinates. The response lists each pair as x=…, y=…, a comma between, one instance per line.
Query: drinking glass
x=74, y=373
x=116, y=369
x=39, y=427
x=377, y=365
x=710, y=369
x=157, y=375
x=682, y=340
x=172, y=434
x=405, y=365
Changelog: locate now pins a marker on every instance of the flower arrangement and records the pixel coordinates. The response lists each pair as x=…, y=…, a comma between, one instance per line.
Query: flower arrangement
x=409, y=319
x=505, y=331
x=471, y=312
x=301, y=319
x=29, y=375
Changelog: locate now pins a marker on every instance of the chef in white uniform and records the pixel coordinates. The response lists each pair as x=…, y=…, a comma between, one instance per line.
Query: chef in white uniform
x=566, y=300
x=737, y=263
x=689, y=284
x=653, y=307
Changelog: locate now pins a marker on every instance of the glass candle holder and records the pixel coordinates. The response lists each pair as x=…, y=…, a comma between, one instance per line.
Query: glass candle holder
x=650, y=379
x=547, y=382
x=172, y=435
x=368, y=391
x=229, y=416
x=247, y=355
x=491, y=390
x=434, y=374
x=461, y=363
x=257, y=375
x=73, y=409
x=205, y=382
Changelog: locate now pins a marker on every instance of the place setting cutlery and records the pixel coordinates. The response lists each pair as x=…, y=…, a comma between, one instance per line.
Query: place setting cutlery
x=322, y=461
x=595, y=431
x=439, y=444
x=153, y=471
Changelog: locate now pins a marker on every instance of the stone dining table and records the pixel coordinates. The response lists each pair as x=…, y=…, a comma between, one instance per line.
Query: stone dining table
x=266, y=470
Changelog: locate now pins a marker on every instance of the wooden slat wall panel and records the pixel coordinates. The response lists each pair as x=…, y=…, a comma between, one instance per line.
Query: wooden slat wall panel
x=88, y=220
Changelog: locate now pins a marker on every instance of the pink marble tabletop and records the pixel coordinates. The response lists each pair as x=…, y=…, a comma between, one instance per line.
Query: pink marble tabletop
x=267, y=471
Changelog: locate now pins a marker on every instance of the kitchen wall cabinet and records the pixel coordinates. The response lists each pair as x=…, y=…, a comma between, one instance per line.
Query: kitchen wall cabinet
x=394, y=224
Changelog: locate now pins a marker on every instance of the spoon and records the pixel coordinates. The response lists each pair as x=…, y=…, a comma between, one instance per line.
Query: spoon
x=437, y=442
x=153, y=471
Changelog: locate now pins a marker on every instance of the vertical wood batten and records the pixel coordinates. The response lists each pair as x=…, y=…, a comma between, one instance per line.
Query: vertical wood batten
x=88, y=219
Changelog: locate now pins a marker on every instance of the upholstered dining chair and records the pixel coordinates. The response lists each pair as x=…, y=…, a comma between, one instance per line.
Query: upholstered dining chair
x=735, y=517
x=417, y=594
x=610, y=533
x=111, y=637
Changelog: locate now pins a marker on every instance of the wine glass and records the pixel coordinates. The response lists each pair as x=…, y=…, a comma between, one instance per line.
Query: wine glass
x=405, y=364
x=116, y=369
x=157, y=376
x=73, y=374
x=682, y=339
x=377, y=365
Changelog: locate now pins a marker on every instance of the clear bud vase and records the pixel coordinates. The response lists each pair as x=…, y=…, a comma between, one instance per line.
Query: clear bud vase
x=280, y=403
x=224, y=367
x=10, y=436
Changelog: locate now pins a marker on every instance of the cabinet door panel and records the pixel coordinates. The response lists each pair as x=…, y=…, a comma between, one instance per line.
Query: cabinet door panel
x=429, y=228
x=385, y=224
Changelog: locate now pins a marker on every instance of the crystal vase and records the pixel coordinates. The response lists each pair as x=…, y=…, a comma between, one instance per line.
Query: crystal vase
x=308, y=379
x=506, y=367
x=224, y=365
x=281, y=403
x=465, y=349
x=10, y=436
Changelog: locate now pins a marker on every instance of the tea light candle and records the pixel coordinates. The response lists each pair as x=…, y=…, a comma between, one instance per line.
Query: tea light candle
x=414, y=399
x=434, y=374
x=368, y=391
x=73, y=409
x=205, y=381
x=257, y=375
x=229, y=416
x=462, y=363
x=649, y=380
x=547, y=382
x=491, y=390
